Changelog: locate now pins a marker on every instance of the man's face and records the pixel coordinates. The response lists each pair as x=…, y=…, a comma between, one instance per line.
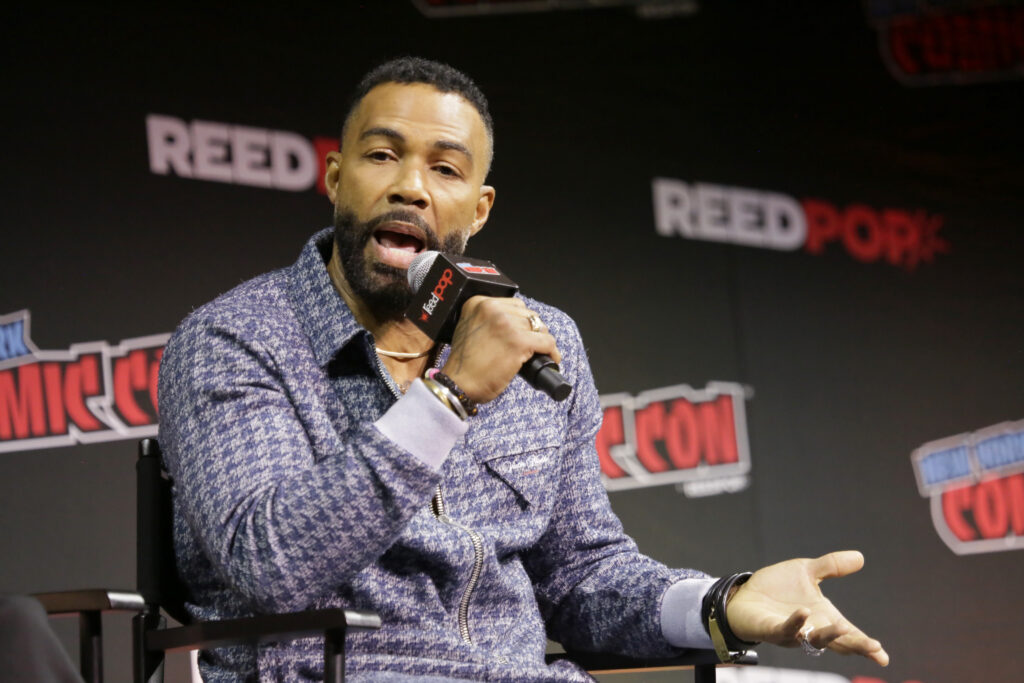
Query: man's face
x=409, y=177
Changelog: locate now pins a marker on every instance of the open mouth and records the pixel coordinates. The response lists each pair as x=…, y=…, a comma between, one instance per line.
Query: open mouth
x=389, y=239
x=397, y=244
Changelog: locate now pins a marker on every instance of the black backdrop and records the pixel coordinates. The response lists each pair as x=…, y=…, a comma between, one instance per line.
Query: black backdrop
x=848, y=364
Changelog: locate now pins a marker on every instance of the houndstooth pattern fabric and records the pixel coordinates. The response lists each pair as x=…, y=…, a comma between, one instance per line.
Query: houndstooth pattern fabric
x=288, y=498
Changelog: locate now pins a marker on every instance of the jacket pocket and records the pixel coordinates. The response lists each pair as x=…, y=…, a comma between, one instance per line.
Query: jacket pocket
x=527, y=462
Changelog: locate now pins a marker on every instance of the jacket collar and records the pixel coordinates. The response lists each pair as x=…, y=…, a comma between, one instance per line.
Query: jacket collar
x=325, y=317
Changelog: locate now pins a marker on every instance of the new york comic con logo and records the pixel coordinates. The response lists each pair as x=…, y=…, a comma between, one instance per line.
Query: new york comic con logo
x=694, y=438
x=90, y=392
x=934, y=42
x=976, y=485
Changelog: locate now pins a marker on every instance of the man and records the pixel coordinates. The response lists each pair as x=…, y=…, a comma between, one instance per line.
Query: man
x=316, y=466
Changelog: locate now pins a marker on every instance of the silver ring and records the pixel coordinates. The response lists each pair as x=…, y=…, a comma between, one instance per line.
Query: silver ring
x=804, y=638
x=536, y=324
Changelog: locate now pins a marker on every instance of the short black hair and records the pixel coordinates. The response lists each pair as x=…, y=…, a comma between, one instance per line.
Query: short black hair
x=442, y=76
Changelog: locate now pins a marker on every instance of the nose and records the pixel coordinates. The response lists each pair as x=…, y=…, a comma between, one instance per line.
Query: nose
x=408, y=188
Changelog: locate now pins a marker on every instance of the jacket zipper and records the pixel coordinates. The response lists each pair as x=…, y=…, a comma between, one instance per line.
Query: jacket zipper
x=385, y=375
x=441, y=512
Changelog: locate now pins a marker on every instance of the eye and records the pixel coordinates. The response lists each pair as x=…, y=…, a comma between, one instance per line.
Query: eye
x=379, y=155
x=448, y=171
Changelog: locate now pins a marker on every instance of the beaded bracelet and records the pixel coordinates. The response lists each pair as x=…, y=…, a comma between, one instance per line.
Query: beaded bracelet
x=445, y=395
x=468, y=404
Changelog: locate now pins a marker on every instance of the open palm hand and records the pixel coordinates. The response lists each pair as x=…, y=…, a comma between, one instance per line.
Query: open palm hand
x=781, y=600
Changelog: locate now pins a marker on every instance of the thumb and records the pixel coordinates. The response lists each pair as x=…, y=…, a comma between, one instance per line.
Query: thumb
x=836, y=564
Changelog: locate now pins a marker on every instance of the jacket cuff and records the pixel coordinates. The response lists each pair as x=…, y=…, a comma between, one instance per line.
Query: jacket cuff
x=680, y=614
x=422, y=425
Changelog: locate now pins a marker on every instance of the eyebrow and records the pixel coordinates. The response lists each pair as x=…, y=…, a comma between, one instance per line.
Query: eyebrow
x=395, y=135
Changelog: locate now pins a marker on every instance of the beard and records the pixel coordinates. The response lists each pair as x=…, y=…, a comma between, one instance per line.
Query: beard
x=384, y=288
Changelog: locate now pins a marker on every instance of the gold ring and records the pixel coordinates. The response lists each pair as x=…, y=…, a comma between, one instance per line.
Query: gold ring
x=536, y=324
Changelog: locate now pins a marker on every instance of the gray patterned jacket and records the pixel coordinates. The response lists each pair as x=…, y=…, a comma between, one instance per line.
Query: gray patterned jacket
x=288, y=496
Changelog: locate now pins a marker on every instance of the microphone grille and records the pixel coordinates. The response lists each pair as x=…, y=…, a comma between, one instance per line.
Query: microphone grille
x=419, y=267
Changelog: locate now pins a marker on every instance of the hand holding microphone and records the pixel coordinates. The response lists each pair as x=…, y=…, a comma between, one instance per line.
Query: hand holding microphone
x=470, y=303
x=493, y=341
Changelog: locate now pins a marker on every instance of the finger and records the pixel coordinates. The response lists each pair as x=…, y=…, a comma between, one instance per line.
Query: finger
x=516, y=304
x=508, y=304
x=857, y=643
x=543, y=342
x=826, y=635
x=555, y=354
x=836, y=564
x=789, y=629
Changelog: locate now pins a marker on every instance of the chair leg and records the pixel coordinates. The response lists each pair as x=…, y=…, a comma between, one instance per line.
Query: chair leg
x=334, y=655
x=147, y=665
x=704, y=673
x=90, y=646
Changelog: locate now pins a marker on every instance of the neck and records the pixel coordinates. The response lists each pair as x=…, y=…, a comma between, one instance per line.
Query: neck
x=393, y=335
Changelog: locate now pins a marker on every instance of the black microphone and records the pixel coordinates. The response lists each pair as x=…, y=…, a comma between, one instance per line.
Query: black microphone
x=443, y=282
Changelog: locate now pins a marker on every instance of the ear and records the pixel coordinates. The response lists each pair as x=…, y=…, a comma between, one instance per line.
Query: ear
x=332, y=174
x=483, y=209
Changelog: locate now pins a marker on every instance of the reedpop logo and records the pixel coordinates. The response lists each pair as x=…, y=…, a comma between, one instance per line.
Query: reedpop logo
x=771, y=220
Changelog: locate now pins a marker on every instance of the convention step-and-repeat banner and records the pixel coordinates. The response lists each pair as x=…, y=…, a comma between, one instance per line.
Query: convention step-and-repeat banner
x=789, y=234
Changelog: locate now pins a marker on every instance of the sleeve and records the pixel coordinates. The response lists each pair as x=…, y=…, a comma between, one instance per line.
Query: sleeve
x=596, y=591
x=281, y=524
